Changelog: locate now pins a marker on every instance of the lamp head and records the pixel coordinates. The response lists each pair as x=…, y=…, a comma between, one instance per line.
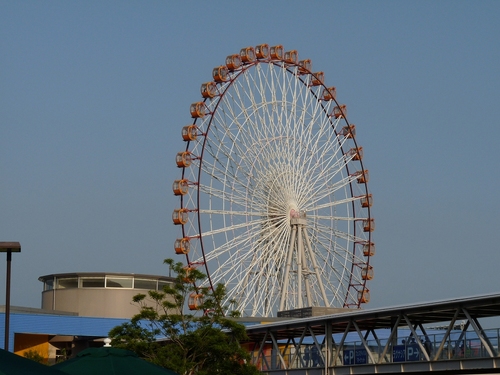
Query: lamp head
x=14, y=247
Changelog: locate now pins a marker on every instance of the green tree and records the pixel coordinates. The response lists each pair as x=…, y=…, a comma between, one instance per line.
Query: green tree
x=206, y=342
x=34, y=356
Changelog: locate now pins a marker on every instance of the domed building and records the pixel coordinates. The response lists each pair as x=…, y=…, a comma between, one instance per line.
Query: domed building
x=97, y=294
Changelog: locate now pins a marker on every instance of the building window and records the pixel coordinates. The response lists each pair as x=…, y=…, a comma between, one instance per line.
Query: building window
x=145, y=284
x=48, y=284
x=118, y=282
x=92, y=282
x=161, y=284
x=67, y=283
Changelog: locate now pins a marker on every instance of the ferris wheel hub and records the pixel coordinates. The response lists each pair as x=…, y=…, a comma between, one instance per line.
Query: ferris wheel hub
x=297, y=217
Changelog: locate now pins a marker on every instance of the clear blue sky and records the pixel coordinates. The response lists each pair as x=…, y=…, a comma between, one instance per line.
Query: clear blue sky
x=93, y=95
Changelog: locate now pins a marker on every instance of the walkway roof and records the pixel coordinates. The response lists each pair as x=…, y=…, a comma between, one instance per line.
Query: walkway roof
x=483, y=306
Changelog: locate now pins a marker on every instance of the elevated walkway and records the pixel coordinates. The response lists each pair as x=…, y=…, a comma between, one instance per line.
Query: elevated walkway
x=442, y=337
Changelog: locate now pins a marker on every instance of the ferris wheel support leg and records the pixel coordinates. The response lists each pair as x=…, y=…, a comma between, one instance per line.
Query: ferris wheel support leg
x=316, y=268
x=300, y=249
x=304, y=267
x=245, y=282
x=284, y=292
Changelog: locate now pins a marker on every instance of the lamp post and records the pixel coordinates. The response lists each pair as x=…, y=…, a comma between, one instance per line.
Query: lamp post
x=9, y=248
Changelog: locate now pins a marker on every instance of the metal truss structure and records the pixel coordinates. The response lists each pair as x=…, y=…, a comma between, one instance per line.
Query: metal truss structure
x=444, y=336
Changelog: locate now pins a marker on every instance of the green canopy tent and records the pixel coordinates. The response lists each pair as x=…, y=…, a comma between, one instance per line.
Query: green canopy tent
x=13, y=364
x=110, y=361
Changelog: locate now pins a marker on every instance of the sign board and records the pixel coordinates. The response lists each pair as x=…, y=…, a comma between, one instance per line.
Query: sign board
x=398, y=353
x=355, y=356
x=412, y=352
x=402, y=353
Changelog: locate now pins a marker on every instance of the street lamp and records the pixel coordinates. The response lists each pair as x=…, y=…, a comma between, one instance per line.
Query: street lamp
x=9, y=248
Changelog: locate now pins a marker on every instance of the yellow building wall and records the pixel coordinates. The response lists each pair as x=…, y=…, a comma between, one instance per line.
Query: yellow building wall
x=24, y=343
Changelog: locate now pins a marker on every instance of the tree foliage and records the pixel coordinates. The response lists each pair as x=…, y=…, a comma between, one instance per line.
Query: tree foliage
x=206, y=342
x=34, y=356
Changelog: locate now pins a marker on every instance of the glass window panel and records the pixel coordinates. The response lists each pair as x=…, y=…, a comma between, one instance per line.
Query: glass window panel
x=49, y=284
x=65, y=283
x=118, y=282
x=92, y=282
x=145, y=284
x=161, y=284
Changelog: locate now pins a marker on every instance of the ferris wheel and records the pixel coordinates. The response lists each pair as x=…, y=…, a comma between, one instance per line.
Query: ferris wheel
x=273, y=195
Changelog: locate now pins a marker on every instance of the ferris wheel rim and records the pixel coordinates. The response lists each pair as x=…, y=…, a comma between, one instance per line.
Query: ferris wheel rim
x=290, y=68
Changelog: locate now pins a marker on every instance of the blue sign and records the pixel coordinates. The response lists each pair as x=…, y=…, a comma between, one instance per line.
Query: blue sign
x=402, y=353
x=412, y=352
x=398, y=353
x=355, y=356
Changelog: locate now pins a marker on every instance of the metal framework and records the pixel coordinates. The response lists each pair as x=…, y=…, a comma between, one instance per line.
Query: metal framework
x=443, y=336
